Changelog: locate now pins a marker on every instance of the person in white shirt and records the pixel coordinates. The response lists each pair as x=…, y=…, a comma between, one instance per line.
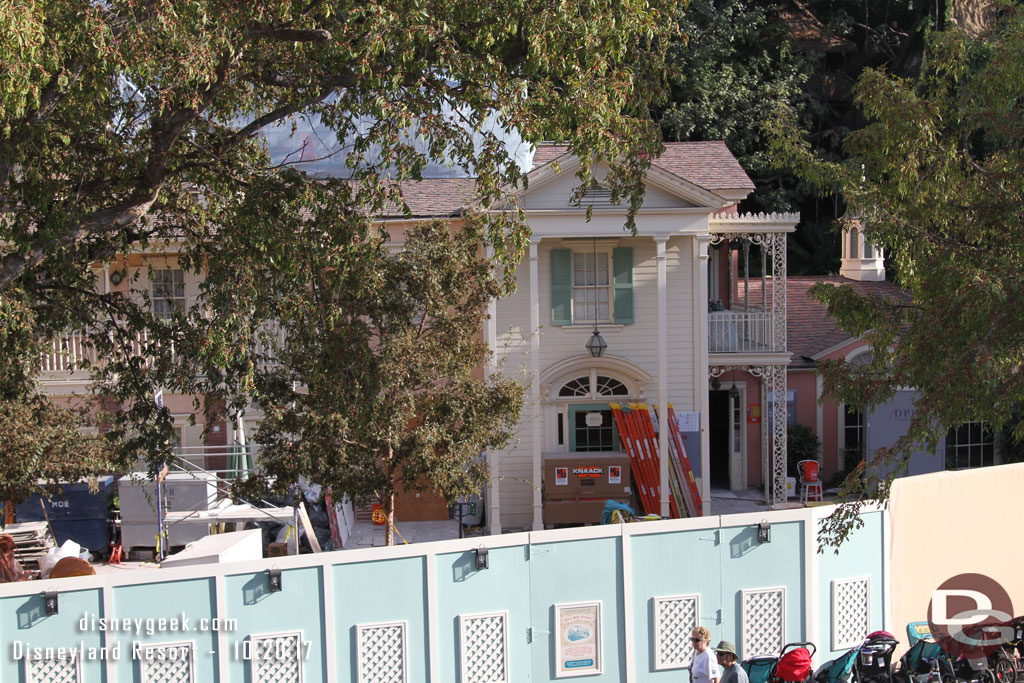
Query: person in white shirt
x=703, y=667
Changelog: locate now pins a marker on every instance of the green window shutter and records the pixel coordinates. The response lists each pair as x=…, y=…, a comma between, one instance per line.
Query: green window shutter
x=622, y=279
x=561, y=287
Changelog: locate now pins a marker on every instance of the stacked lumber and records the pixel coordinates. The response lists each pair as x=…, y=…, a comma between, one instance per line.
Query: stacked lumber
x=31, y=541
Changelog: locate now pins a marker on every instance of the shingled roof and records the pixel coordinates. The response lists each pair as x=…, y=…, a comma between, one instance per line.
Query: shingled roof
x=709, y=165
x=435, y=197
x=809, y=328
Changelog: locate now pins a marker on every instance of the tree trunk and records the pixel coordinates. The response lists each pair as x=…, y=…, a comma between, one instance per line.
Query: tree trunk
x=389, y=514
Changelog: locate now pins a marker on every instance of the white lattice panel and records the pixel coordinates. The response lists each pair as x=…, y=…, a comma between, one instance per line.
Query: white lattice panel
x=764, y=621
x=484, y=648
x=277, y=658
x=382, y=653
x=851, y=612
x=168, y=663
x=675, y=617
x=53, y=670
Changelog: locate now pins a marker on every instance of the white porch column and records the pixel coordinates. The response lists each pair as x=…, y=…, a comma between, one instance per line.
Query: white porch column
x=535, y=412
x=490, y=368
x=663, y=431
x=700, y=370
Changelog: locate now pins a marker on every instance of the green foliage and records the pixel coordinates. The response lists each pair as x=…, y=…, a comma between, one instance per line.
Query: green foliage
x=801, y=444
x=43, y=444
x=937, y=176
x=135, y=126
x=374, y=383
x=729, y=66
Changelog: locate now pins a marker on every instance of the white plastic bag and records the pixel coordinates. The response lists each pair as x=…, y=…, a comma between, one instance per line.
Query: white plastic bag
x=55, y=555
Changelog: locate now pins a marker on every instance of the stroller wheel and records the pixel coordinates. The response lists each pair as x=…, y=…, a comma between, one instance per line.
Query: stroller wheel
x=986, y=676
x=1005, y=671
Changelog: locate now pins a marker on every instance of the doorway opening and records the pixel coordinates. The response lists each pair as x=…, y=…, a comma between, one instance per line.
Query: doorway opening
x=720, y=439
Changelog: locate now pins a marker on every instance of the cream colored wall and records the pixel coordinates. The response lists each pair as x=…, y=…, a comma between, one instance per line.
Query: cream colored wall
x=556, y=193
x=637, y=342
x=950, y=523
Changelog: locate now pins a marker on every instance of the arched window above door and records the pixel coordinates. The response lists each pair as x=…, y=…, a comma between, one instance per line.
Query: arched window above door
x=609, y=386
x=586, y=377
x=593, y=386
x=575, y=387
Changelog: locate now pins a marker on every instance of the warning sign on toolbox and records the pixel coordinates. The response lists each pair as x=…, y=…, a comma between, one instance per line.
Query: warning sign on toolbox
x=561, y=476
x=614, y=474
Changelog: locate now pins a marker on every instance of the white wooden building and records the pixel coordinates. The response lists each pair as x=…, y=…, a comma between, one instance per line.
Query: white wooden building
x=648, y=295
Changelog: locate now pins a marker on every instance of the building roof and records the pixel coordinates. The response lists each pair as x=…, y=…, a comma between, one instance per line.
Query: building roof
x=809, y=328
x=434, y=197
x=709, y=165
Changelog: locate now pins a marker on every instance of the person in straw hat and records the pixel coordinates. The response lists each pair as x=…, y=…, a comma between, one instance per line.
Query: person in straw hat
x=727, y=658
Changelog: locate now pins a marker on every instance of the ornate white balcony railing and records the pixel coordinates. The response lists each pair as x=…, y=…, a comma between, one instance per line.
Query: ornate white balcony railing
x=741, y=332
x=756, y=319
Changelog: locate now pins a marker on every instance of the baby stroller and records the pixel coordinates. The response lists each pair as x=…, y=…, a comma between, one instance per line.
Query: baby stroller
x=1008, y=660
x=760, y=668
x=842, y=669
x=793, y=665
x=874, y=660
x=869, y=661
x=927, y=662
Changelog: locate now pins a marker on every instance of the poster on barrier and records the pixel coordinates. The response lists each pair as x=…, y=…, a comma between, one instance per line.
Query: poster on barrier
x=578, y=641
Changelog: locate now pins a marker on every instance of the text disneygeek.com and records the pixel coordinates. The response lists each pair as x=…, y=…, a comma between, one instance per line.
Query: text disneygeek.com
x=143, y=650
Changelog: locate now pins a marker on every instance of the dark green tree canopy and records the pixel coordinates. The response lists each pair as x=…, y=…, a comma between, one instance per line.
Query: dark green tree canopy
x=937, y=180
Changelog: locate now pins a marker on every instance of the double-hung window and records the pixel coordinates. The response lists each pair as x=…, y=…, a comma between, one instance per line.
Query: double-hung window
x=592, y=286
x=167, y=292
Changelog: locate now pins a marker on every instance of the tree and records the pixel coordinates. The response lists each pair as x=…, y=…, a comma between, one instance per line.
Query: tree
x=130, y=125
x=40, y=442
x=371, y=381
x=729, y=66
x=937, y=179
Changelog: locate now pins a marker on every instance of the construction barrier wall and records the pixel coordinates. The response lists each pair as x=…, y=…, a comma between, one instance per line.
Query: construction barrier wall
x=949, y=524
x=426, y=612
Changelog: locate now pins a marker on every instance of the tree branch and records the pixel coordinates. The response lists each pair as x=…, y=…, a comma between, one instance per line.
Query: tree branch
x=291, y=35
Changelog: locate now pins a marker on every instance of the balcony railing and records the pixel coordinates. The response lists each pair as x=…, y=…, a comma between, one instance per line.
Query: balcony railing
x=748, y=331
x=64, y=358
x=67, y=353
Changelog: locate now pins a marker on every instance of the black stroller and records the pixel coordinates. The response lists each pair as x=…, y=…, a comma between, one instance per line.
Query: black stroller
x=874, y=658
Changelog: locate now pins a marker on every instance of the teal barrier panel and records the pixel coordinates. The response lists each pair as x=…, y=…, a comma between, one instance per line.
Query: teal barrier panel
x=27, y=631
x=159, y=617
x=285, y=627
